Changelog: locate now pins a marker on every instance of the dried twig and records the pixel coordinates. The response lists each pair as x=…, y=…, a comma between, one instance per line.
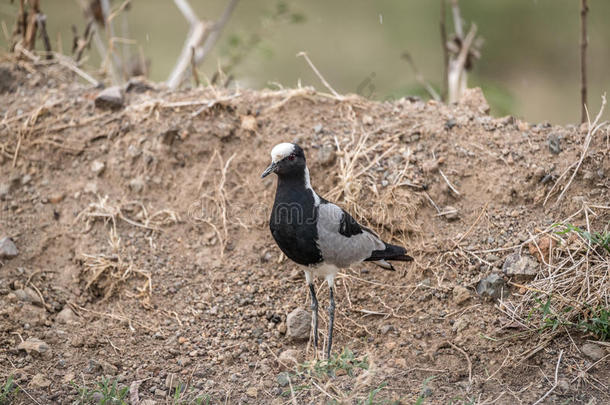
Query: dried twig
x=322, y=79
x=556, y=381
x=593, y=127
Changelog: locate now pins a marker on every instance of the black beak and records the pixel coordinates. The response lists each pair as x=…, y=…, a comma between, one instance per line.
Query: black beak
x=269, y=170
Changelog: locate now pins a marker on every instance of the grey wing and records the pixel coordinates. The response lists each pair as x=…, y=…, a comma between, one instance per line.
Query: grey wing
x=335, y=246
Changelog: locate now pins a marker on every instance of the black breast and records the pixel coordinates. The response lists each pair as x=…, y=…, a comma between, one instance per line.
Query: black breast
x=293, y=224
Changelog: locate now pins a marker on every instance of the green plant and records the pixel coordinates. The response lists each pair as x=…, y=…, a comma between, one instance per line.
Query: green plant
x=598, y=323
x=346, y=360
x=8, y=391
x=424, y=391
x=599, y=239
x=372, y=394
x=107, y=390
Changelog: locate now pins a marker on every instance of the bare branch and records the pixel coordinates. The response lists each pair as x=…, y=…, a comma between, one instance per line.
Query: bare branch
x=584, y=10
x=443, y=28
x=202, y=53
x=317, y=72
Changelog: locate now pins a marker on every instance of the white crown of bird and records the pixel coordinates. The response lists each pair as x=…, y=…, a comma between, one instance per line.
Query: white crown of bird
x=281, y=150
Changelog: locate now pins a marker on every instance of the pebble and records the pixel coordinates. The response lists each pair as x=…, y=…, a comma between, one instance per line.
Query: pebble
x=298, y=324
x=252, y=392
x=519, y=266
x=593, y=351
x=318, y=128
x=554, y=142
x=56, y=198
x=289, y=358
x=110, y=98
x=172, y=381
x=66, y=315
x=97, y=167
x=450, y=213
x=460, y=294
x=8, y=250
x=137, y=184
x=283, y=379
x=28, y=295
x=34, y=346
x=387, y=328
x=492, y=286
x=39, y=381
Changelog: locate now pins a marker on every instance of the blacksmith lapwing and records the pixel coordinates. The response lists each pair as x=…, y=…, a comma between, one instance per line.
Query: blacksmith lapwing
x=316, y=233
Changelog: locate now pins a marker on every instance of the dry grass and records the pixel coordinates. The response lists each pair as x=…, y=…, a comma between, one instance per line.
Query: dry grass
x=572, y=284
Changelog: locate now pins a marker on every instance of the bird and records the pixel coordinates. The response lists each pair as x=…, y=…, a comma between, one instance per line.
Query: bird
x=317, y=234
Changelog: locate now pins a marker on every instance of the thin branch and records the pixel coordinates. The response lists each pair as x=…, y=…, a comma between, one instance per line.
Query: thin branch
x=584, y=10
x=317, y=72
x=556, y=381
x=420, y=78
x=457, y=19
x=202, y=53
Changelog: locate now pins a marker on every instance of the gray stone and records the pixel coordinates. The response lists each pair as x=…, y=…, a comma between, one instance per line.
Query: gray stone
x=110, y=98
x=318, y=128
x=593, y=351
x=28, y=295
x=519, y=266
x=554, y=142
x=493, y=286
x=298, y=324
x=8, y=250
x=282, y=379
x=289, y=358
x=97, y=167
x=387, y=328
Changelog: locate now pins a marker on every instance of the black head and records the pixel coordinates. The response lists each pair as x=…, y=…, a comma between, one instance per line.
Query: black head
x=287, y=160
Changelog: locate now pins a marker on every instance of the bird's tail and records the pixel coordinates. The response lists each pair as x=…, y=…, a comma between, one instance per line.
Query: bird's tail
x=391, y=252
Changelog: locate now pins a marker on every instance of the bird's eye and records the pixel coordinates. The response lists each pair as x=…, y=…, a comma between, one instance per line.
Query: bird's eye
x=291, y=157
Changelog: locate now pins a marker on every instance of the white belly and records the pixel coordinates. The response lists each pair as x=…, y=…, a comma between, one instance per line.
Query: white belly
x=326, y=271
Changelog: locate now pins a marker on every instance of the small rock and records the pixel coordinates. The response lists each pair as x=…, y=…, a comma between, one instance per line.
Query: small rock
x=460, y=325
x=160, y=393
x=34, y=346
x=326, y=155
x=28, y=295
x=252, y=392
x=283, y=379
x=317, y=128
x=108, y=368
x=493, y=286
x=138, y=85
x=520, y=266
x=450, y=213
x=249, y=123
x=367, y=120
x=97, y=167
x=110, y=98
x=387, y=328
x=266, y=257
x=554, y=142
x=289, y=358
x=430, y=166
x=137, y=184
x=66, y=315
x=298, y=324
x=56, y=198
x=460, y=294
x=172, y=381
x=8, y=250
x=593, y=351
x=91, y=187
x=39, y=381
x=26, y=179
x=449, y=124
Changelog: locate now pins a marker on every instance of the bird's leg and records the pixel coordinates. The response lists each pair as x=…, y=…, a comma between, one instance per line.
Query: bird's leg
x=331, y=321
x=314, y=313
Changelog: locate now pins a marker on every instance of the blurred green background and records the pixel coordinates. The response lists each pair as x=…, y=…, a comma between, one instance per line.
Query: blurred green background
x=529, y=65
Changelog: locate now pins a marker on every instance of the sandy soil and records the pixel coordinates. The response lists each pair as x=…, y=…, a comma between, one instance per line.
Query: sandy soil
x=145, y=256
